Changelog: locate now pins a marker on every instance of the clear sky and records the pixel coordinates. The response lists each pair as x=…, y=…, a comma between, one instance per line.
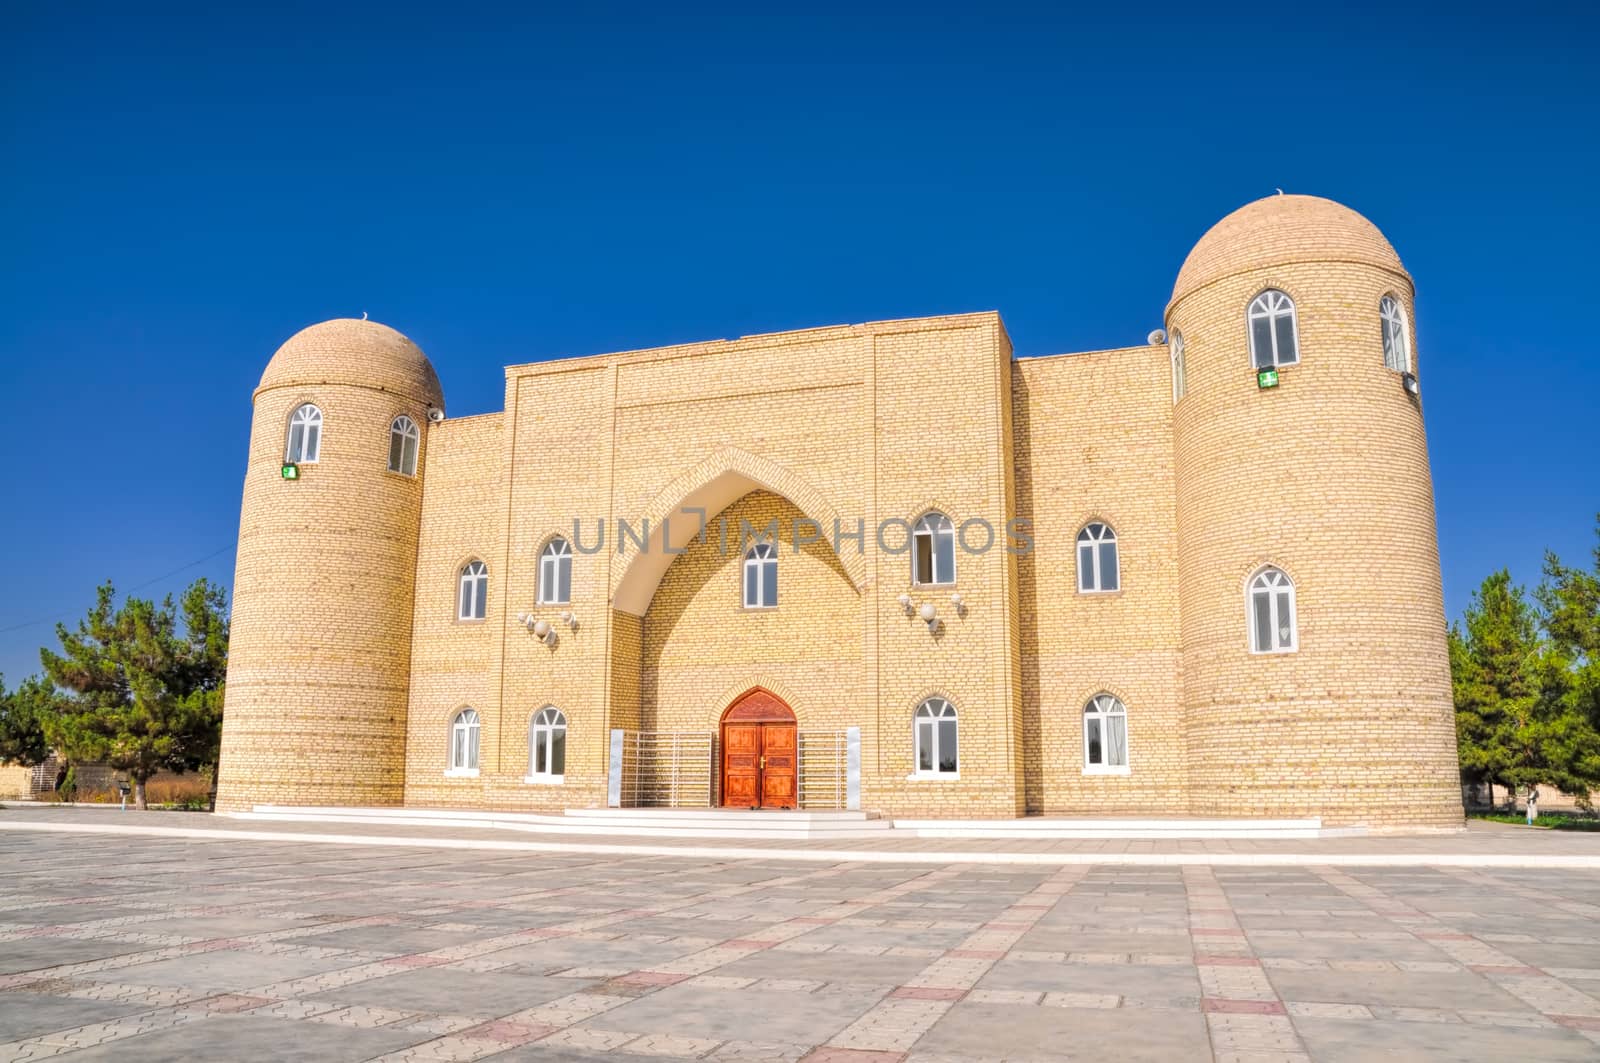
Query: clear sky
x=180, y=192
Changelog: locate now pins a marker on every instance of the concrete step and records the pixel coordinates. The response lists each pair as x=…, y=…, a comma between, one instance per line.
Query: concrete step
x=736, y=824
x=1040, y=828
x=659, y=823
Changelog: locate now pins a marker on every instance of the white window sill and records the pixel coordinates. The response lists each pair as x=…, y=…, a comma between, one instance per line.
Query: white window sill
x=1098, y=770
x=1274, y=653
x=461, y=773
x=933, y=776
x=544, y=780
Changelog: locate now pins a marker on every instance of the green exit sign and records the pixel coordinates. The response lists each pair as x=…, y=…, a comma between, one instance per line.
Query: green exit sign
x=1266, y=378
x=291, y=471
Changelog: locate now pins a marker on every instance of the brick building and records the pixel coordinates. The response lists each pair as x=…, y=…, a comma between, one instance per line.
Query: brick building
x=1197, y=576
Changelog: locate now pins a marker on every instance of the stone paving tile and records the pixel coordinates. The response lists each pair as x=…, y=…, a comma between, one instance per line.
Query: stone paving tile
x=30, y=1015
x=409, y=954
x=484, y=994
x=1358, y=1041
x=1013, y=1032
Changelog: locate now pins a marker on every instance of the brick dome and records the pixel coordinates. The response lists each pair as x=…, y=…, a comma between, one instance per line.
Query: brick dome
x=360, y=353
x=1279, y=230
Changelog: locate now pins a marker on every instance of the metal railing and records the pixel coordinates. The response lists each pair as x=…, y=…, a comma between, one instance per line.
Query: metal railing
x=667, y=769
x=823, y=769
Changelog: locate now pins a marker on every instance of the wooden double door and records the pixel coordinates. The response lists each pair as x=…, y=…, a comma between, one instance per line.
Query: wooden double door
x=759, y=753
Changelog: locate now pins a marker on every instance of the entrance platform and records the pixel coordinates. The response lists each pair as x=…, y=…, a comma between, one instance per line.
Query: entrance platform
x=803, y=826
x=1481, y=845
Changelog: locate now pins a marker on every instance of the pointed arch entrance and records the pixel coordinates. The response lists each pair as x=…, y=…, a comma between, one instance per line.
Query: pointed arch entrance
x=760, y=752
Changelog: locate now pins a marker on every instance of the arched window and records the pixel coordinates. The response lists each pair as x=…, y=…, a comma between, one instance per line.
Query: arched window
x=936, y=738
x=403, y=439
x=933, y=549
x=1180, y=382
x=1272, y=620
x=464, y=741
x=761, y=577
x=555, y=573
x=1274, y=333
x=547, y=746
x=1097, y=559
x=1396, y=336
x=305, y=436
x=474, y=591
x=1105, y=736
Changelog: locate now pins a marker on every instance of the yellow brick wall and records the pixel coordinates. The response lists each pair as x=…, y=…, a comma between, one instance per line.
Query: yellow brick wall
x=1094, y=442
x=320, y=656
x=1325, y=476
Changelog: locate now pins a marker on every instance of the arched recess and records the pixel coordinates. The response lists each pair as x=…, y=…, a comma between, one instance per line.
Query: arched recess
x=725, y=476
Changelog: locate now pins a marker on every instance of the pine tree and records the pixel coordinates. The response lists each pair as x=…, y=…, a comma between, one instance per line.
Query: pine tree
x=22, y=719
x=1493, y=667
x=143, y=694
x=1570, y=601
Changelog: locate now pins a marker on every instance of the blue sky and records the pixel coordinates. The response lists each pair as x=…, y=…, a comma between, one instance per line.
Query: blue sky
x=184, y=190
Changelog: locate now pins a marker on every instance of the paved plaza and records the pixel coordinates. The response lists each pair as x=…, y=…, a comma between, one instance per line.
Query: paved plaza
x=134, y=948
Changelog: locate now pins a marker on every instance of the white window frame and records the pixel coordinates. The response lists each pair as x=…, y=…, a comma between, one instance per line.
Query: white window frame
x=1274, y=585
x=545, y=724
x=303, y=444
x=1180, y=379
x=461, y=757
x=555, y=573
x=1396, y=334
x=405, y=439
x=1103, y=708
x=933, y=710
x=1271, y=305
x=758, y=561
x=936, y=529
x=472, y=591
x=1088, y=536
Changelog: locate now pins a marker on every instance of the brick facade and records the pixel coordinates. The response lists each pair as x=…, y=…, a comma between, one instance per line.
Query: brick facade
x=349, y=661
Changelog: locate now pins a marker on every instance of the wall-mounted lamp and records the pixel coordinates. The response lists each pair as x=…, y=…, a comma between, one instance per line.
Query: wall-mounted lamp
x=930, y=616
x=905, y=603
x=1409, y=382
x=959, y=603
x=569, y=618
x=544, y=632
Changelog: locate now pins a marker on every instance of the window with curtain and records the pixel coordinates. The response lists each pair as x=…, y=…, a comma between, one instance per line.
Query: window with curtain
x=555, y=573
x=1105, y=735
x=933, y=550
x=403, y=440
x=547, y=745
x=474, y=596
x=304, y=444
x=1396, y=335
x=936, y=739
x=1097, y=559
x=1272, y=612
x=464, y=741
x=1274, y=330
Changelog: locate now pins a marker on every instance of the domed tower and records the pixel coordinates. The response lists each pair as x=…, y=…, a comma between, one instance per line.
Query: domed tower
x=320, y=655
x=1315, y=670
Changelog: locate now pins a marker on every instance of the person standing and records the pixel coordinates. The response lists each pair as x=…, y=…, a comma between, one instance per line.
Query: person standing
x=1533, y=804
